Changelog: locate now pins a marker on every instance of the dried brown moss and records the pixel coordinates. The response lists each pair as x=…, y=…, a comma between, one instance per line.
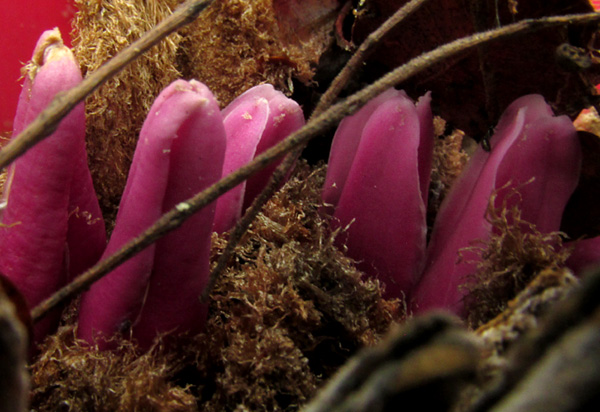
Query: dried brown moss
x=116, y=111
x=449, y=160
x=237, y=44
x=515, y=253
x=289, y=310
x=70, y=377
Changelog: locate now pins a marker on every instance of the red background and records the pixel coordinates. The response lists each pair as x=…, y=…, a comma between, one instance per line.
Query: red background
x=22, y=22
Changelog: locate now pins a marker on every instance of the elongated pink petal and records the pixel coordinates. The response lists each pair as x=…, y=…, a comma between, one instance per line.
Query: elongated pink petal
x=256, y=120
x=381, y=194
x=244, y=125
x=528, y=143
x=35, y=223
x=550, y=153
x=426, y=144
x=86, y=235
x=285, y=117
x=181, y=261
x=179, y=153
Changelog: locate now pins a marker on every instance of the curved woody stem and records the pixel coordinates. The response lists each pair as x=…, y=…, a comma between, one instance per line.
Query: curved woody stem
x=329, y=118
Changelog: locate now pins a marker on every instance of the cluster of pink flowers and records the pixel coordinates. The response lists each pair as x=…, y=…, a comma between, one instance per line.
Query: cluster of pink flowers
x=377, y=186
x=186, y=145
x=52, y=228
x=378, y=178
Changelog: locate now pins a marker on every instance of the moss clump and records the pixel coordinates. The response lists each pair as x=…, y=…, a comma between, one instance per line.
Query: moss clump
x=289, y=310
x=449, y=160
x=70, y=376
x=116, y=111
x=515, y=253
x=237, y=44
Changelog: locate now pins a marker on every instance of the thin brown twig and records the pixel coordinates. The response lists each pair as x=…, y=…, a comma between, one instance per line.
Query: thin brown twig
x=363, y=51
x=62, y=104
x=332, y=92
x=176, y=216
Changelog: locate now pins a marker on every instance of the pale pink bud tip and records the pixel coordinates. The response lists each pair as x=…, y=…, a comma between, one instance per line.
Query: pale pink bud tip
x=256, y=120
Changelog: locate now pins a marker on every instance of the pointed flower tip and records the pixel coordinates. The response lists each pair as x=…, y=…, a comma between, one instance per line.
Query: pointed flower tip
x=199, y=90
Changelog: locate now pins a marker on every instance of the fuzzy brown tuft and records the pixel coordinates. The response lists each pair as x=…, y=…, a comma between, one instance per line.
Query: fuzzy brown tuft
x=116, y=111
x=237, y=44
x=449, y=160
x=70, y=376
x=290, y=309
x=515, y=253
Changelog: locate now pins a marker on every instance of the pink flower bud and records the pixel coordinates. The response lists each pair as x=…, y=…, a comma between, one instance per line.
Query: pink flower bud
x=52, y=227
x=179, y=153
x=531, y=150
x=256, y=120
x=377, y=180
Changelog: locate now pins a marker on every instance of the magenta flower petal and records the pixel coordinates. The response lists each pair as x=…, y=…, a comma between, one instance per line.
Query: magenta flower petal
x=344, y=148
x=379, y=191
x=181, y=262
x=549, y=152
x=86, y=235
x=528, y=143
x=426, y=144
x=256, y=120
x=39, y=188
x=285, y=117
x=180, y=152
x=244, y=125
x=585, y=255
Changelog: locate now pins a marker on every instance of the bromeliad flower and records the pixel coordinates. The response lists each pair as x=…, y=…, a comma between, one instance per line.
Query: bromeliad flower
x=256, y=120
x=377, y=180
x=180, y=152
x=52, y=228
x=531, y=150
